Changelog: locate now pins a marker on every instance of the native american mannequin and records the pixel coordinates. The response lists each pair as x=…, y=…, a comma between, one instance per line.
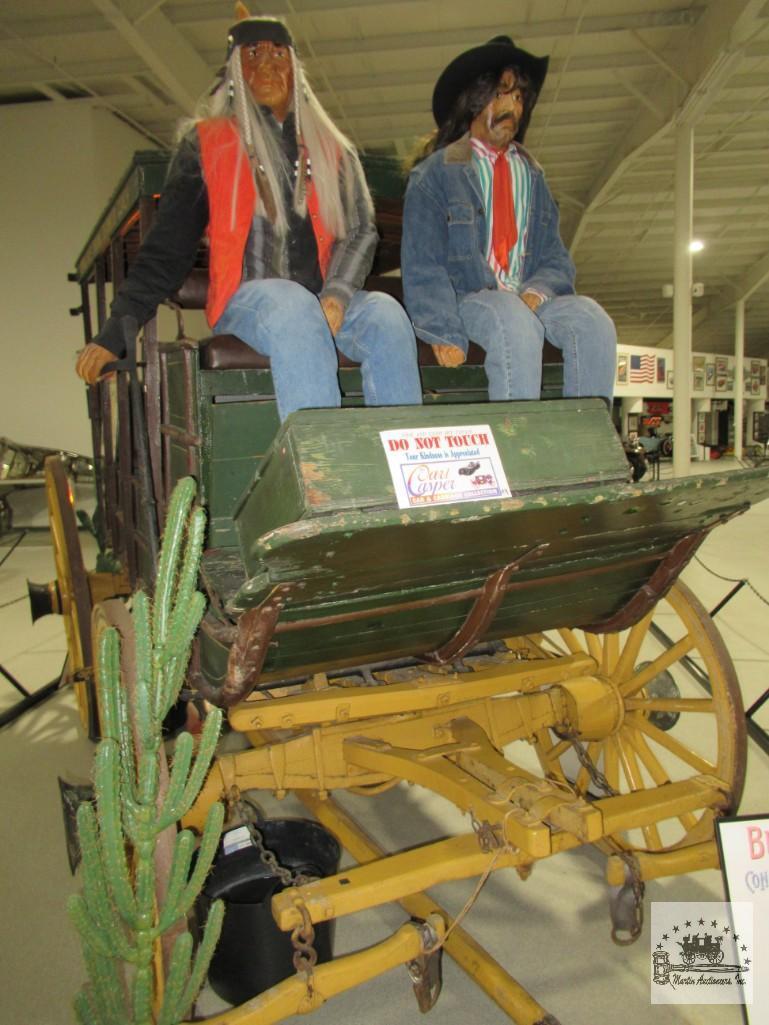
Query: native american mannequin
x=281, y=195
x=482, y=257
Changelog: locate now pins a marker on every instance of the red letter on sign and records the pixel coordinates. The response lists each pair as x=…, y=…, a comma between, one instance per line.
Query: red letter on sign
x=757, y=849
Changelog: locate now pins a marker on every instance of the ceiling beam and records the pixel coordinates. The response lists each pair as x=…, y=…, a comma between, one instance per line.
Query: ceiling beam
x=706, y=58
x=165, y=52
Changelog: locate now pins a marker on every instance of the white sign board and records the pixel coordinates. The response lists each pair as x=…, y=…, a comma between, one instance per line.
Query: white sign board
x=440, y=465
x=744, y=847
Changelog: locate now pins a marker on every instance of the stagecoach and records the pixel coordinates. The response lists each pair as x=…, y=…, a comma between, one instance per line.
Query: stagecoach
x=526, y=654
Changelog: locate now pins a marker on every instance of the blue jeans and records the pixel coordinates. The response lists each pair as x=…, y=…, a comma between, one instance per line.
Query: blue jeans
x=513, y=337
x=285, y=322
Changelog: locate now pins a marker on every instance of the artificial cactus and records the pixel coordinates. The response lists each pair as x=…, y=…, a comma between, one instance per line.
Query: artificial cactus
x=117, y=915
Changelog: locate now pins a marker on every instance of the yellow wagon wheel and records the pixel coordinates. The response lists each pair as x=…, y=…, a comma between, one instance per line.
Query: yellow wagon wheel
x=672, y=729
x=73, y=592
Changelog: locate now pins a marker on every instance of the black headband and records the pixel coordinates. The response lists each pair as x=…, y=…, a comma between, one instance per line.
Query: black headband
x=257, y=30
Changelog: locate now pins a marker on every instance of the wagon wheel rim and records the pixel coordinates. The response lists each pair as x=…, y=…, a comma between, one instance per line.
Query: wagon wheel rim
x=73, y=588
x=640, y=755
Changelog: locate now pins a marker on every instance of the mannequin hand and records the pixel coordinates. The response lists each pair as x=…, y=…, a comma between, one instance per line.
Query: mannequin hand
x=532, y=300
x=449, y=355
x=91, y=361
x=333, y=312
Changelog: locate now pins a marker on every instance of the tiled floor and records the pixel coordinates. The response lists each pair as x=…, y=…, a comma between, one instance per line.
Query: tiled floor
x=551, y=932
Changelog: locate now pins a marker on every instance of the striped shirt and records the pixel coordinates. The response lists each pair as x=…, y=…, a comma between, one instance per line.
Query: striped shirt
x=484, y=158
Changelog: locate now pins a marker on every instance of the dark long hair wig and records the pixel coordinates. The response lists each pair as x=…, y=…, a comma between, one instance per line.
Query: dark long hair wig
x=469, y=104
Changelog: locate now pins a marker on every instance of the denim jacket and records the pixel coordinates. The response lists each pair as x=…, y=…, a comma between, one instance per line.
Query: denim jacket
x=444, y=237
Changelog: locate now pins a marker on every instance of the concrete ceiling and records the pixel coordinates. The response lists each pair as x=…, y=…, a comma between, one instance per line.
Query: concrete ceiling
x=622, y=74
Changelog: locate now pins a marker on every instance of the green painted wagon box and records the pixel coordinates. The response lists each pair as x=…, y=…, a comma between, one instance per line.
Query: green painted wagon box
x=358, y=579
x=329, y=461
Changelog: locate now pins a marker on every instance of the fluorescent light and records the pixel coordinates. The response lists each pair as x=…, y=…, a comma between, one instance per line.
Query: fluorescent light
x=696, y=245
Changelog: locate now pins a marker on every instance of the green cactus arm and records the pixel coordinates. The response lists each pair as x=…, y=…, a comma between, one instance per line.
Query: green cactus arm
x=142, y=994
x=209, y=842
x=176, y=524
x=85, y=1012
x=109, y=671
x=90, y=932
x=178, y=974
x=97, y=902
x=179, y=771
x=126, y=745
x=204, y=954
x=184, y=845
x=181, y=631
x=206, y=749
x=112, y=848
x=188, y=575
x=145, y=889
x=149, y=777
x=145, y=685
x=106, y=988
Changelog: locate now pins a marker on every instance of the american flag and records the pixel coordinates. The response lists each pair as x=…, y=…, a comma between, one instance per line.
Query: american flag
x=643, y=369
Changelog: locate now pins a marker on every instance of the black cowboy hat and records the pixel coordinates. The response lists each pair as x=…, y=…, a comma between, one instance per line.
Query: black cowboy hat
x=496, y=55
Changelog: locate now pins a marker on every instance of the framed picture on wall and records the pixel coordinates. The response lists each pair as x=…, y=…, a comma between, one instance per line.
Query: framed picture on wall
x=660, y=370
x=710, y=374
x=622, y=368
x=721, y=366
x=698, y=362
x=755, y=368
x=670, y=379
x=746, y=373
x=762, y=375
x=699, y=380
x=721, y=382
x=730, y=380
x=755, y=386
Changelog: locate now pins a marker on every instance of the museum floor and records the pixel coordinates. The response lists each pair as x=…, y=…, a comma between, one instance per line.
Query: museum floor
x=551, y=933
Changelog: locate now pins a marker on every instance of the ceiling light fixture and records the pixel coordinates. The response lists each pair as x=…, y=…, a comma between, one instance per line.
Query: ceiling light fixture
x=696, y=245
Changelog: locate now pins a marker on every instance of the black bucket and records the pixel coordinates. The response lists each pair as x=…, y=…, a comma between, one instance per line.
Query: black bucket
x=253, y=954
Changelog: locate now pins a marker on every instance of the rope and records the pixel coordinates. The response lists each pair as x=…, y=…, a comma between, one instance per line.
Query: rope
x=13, y=547
x=13, y=601
x=732, y=580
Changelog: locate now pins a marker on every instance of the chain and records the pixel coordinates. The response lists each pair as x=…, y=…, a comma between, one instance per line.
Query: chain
x=303, y=935
x=250, y=814
x=302, y=940
x=488, y=840
x=631, y=862
x=638, y=887
x=587, y=763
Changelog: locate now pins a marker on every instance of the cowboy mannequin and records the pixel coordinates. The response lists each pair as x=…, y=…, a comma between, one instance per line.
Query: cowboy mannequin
x=481, y=257
x=281, y=194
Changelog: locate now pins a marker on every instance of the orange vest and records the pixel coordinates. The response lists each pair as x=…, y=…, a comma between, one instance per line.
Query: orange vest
x=231, y=204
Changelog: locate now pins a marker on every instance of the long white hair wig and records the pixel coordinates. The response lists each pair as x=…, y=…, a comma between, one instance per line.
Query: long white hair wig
x=324, y=152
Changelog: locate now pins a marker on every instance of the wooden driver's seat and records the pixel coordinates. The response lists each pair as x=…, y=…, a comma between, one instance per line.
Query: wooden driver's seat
x=228, y=352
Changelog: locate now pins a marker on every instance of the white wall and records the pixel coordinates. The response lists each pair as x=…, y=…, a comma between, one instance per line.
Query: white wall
x=59, y=164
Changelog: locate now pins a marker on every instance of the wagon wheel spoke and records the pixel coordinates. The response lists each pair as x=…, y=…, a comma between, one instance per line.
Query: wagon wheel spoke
x=657, y=772
x=662, y=662
x=611, y=763
x=569, y=638
x=671, y=705
x=631, y=648
x=632, y=771
x=675, y=747
x=610, y=654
